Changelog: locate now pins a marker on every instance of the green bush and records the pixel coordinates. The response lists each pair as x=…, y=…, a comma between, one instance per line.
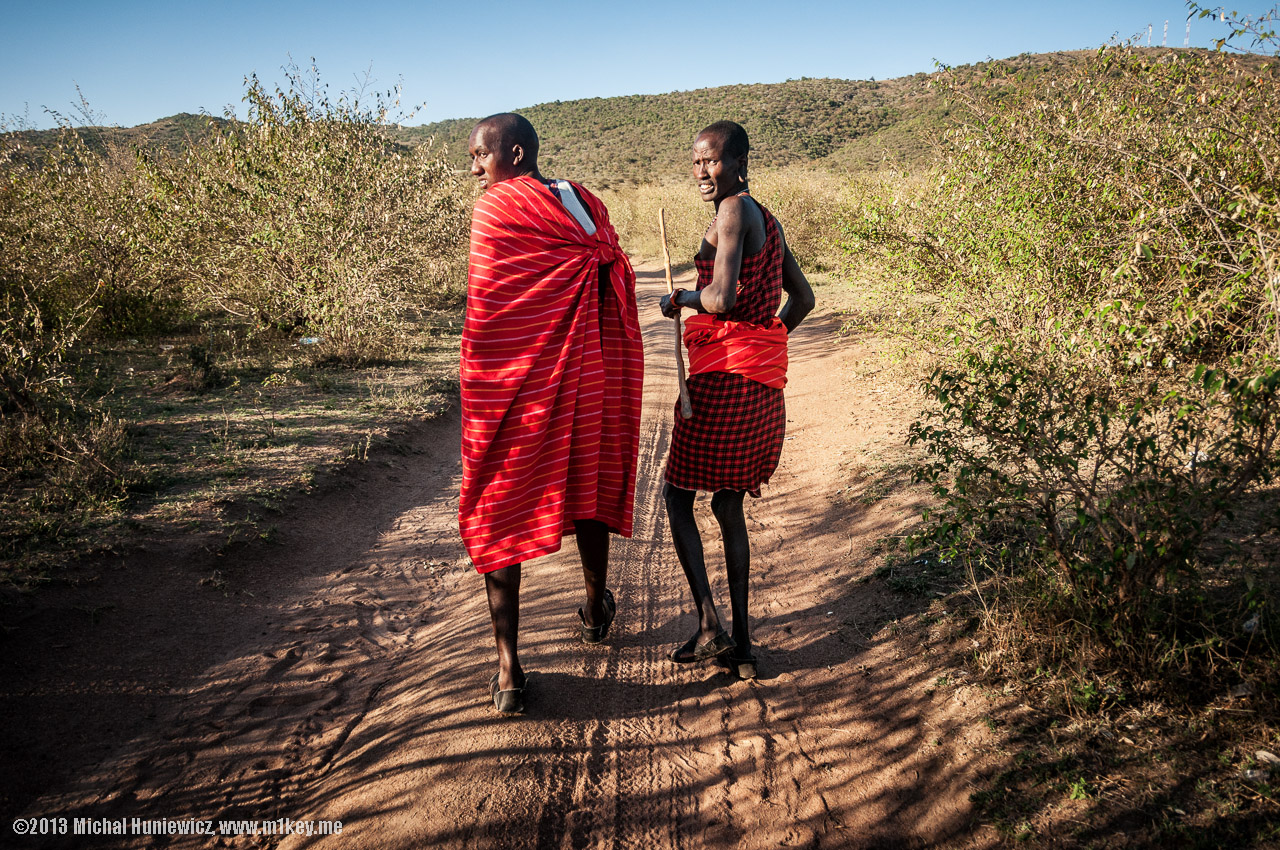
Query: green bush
x=307, y=217
x=1113, y=485
x=77, y=232
x=304, y=218
x=70, y=268
x=1100, y=260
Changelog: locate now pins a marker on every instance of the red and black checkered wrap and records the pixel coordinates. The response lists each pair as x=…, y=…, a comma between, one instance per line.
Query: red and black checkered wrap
x=734, y=440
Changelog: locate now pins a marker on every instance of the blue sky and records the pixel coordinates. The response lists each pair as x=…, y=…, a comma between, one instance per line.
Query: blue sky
x=137, y=60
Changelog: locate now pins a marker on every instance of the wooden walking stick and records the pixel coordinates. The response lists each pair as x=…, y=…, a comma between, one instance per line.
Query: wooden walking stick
x=686, y=409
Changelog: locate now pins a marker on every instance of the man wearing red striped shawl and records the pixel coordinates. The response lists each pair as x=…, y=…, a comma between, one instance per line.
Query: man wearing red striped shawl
x=551, y=378
x=737, y=367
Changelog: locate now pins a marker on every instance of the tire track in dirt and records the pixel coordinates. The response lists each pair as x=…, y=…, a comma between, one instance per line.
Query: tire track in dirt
x=645, y=808
x=609, y=759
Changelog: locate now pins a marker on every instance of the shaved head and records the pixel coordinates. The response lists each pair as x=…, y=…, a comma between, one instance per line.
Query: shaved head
x=514, y=129
x=503, y=147
x=733, y=139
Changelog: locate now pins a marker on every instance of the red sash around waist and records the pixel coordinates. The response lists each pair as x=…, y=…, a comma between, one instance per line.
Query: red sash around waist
x=758, y=352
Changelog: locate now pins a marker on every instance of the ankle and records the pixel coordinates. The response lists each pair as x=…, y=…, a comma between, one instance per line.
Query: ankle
x=510, y=677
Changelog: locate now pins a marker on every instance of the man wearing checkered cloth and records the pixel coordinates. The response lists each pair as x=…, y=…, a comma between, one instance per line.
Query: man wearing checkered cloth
x=737, y=346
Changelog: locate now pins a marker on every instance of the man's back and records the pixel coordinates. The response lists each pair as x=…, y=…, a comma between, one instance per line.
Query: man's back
x=551, y=341
x=542, y=342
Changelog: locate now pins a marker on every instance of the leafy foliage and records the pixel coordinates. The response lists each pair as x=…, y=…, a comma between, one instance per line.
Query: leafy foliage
x=306, y=218
x=1101, y=253
x=70, y=265
x=1115, y=486
x=309, y=217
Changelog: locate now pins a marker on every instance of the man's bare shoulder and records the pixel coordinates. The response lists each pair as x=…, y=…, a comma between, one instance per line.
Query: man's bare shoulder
x=740, y=214
x=734, y=205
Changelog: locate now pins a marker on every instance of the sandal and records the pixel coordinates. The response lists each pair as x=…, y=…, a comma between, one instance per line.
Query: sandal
x=509, y=701
x=743, y=668
x=595, y=634
x=691, y=652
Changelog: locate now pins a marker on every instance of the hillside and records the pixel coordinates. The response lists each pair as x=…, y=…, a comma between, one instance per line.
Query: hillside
x=646, y=138
x=844, y=125
x=170, y=134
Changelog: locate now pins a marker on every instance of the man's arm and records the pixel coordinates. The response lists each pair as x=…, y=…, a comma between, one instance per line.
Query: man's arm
x=721, y=294
x=799, y=294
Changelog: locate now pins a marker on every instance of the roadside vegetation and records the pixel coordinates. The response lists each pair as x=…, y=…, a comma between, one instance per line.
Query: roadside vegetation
x=1091, y=278
x=303, y=225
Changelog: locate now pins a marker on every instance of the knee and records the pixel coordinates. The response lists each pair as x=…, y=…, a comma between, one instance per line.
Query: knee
x=503, y=581
x=727, y=505
x=679, y=500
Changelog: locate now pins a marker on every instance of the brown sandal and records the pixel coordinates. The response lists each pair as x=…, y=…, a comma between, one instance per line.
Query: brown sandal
x=509, y=701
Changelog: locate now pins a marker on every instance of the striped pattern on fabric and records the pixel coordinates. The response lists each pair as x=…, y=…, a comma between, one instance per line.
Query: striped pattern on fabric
x=551, y=375
x=758, y=352
x=734, y=440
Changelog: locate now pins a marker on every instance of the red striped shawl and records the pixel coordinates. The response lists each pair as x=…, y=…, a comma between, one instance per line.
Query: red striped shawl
x=551, y=375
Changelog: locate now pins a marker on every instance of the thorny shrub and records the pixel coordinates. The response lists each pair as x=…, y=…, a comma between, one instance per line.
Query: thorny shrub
x=308, y=217
x=70, y=267
x=74, y=259
x=1102, y=255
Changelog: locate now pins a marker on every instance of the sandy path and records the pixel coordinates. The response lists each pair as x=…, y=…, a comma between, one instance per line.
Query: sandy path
x=352, y=686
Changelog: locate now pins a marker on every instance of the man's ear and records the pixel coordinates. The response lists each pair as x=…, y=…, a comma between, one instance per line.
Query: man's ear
x=742, y=168
x=517, y=154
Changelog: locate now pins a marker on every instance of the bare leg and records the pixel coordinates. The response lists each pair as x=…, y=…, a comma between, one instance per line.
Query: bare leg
x=727, y=506
x=593, y=547
x=684, y=533
x=503, y=590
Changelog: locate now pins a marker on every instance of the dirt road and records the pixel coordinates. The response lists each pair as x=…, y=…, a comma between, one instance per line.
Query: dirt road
x=342, y=674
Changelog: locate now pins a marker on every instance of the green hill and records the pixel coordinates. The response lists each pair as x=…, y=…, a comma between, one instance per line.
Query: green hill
x=170, y=134
x=843, y=125
x=646, y=138
x=846, y=125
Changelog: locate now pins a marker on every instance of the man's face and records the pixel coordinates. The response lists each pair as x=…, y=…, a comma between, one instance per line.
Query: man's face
x=716, y=174
x=493, y=159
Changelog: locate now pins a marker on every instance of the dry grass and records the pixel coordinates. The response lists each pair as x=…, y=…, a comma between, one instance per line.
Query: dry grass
x=212, y=433
x=808, y=202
